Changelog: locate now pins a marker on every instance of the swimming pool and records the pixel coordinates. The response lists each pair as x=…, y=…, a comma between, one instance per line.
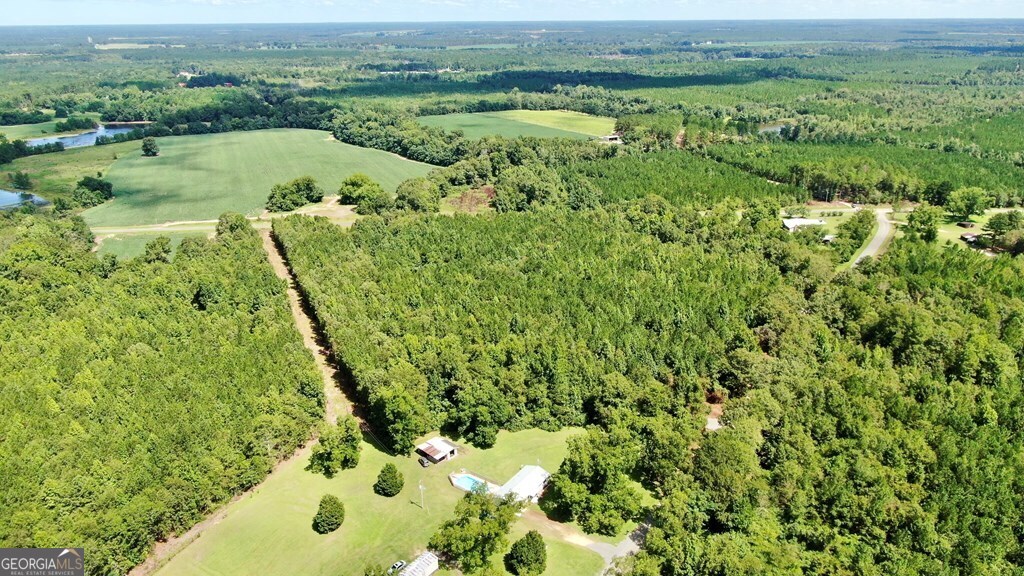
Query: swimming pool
x=468, y=482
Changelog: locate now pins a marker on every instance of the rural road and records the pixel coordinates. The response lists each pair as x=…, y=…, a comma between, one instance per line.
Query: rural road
x=885, y=230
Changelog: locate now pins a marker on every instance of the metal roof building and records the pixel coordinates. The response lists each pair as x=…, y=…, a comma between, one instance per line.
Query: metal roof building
x=528, y=484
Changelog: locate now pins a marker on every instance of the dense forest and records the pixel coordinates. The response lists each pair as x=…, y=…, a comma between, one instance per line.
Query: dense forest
x=139, y=394
x=873, y=414
x=860, y=403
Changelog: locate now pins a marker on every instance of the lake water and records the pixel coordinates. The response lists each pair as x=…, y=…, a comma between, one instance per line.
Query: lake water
x=85, y=139
x=10, y=199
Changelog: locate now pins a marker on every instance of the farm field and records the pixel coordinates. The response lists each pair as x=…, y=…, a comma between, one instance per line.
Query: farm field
x=269, y=532
x=201, y=177
x=513, y=123
x=54, y=175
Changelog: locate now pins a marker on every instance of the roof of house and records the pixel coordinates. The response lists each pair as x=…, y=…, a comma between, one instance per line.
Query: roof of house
x=528, y=483
x=794, y=223
x=436, y=448
x=424, y=565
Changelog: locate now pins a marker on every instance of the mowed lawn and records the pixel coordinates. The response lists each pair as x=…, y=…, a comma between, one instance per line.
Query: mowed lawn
x=513, y=123
x=201, y=177
x=270, y=533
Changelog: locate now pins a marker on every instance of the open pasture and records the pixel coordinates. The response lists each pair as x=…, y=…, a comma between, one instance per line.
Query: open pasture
x=201, y=177
x=269, y=532
x=513, y=123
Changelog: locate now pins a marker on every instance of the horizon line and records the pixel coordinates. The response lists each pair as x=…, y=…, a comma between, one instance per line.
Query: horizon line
x=1014, y=19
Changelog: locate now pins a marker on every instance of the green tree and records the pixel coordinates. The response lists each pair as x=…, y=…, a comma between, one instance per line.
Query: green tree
x=297, y=193
x=967, y=202
x=478, y=531
x=528, y=556
x=20, y=180
x=389, y=482
x=351, y=190
x=582, y=194
x=375, y=200
x=1003, y=223
x=150, y=148
x=329, y=516
x=158, y=250
x=924, y=221
x=337, y=449
x=522, y=186
x=419, y=195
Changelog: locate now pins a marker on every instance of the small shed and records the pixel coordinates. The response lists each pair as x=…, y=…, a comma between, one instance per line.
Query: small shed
x=792, y=224
x=438, y=450
x=969, y=238
x=527, y=485
x=424, y=565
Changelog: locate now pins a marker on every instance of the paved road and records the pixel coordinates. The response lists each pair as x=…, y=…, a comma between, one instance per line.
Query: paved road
x=877, y=243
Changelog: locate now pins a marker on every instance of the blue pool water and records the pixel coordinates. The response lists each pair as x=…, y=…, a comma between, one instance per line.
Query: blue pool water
x=468, y=483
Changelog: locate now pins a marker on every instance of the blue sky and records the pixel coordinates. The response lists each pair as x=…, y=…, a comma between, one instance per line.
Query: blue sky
x=18, y=12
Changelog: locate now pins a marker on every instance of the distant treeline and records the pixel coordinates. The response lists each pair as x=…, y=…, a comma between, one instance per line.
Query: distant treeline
x=13, y=117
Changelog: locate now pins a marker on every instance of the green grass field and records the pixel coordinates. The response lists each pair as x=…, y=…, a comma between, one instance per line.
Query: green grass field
x=29, y=131
x=269, y=532
x=54, y=175
x=513, y=123
x=201, y=177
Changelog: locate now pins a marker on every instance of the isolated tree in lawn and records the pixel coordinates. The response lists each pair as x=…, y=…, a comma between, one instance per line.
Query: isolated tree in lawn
x=329, y=516
x=923, y=222
x=967, y=202
x=419, y=195
x=337, y=449
x=528, y=556
x=389, y=482
x=20, y=181
x=478, y=531
x=150, y=148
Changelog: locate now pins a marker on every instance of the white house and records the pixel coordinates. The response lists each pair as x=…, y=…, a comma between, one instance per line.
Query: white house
x=528, y=484
x=792, y=224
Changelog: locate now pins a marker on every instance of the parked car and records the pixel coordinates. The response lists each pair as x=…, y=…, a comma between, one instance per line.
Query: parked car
x=424, y=462
x=965, y=224
x=396, y=567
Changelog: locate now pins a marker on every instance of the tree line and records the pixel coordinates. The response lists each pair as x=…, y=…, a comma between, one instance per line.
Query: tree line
x=139, y=395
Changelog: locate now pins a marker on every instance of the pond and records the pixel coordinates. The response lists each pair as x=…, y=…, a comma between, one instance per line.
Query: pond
x=86, y=138
x=10, y=199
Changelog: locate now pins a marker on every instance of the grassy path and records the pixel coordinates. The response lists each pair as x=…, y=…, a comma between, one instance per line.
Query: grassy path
x=335, y=401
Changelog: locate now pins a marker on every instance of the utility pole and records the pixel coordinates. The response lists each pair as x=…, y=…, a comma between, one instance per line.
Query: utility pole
x=422, y=488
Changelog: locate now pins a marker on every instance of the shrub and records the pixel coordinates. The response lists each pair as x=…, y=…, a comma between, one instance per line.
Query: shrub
x=528, y=555
x=150, y=147
x=389, y=482
x=329, y=516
